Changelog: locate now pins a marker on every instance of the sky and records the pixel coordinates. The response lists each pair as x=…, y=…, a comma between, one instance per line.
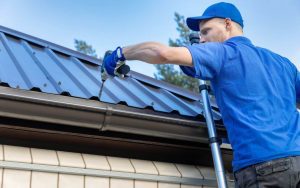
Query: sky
x=106, y=24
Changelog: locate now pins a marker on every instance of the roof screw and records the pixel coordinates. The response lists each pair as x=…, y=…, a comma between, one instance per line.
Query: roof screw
x=45, y=85
x=18, y=87
x=59, y=83
x=152, y=103
x=33, y=53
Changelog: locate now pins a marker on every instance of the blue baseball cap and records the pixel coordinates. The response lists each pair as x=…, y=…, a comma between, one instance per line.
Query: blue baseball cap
x=218, y=10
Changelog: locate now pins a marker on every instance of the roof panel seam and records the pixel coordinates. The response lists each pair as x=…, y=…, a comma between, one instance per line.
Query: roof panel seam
x=162, y=103
x=167, y=86
x=183, y=103
x=83, y=69
x=40, y=65
x=15, y=61
x=48, y=44
x=111, y=95
x=138, y=100
x=70, y=75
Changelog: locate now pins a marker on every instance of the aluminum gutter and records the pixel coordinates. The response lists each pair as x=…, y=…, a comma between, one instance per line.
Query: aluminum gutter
x=31, y=105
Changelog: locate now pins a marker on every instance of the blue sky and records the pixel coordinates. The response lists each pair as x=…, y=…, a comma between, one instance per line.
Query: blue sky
x=273, y=24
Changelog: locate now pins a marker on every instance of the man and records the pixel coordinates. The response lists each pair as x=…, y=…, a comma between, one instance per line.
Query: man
x=255, y=89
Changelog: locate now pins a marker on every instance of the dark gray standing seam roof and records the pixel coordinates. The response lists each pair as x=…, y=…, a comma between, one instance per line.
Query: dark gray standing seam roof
x=30, y=63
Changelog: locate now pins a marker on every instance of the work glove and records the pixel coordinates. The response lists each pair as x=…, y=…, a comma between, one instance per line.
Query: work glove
x=111, y=59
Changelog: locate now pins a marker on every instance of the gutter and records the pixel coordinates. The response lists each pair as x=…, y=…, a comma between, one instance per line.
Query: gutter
x=92, y=114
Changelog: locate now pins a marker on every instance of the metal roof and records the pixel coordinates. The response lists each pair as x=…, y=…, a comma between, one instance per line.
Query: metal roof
x=30, y=63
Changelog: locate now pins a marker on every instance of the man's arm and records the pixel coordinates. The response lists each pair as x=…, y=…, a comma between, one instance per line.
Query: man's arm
x=156, y=53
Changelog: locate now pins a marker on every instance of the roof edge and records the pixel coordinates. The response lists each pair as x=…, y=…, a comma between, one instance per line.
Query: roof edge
x=50, y=45
x=172, y=88
x=164, y=85
x=41, y=107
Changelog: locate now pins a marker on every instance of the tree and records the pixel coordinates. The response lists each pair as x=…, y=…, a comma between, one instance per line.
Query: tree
x=85, y=48
x=168, y=72
x=183, y=30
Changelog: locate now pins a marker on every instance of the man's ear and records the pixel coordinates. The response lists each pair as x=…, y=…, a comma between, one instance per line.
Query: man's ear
x=228, y=23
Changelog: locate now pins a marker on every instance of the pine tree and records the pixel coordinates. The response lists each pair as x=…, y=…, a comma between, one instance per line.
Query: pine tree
x=85, y=48
x=168, y=72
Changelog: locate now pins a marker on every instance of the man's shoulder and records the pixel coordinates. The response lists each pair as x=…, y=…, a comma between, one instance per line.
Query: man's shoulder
x=268, y=51
x=270, y=54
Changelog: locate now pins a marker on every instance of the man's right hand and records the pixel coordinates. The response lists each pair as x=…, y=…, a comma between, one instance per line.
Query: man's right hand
x=111, y=59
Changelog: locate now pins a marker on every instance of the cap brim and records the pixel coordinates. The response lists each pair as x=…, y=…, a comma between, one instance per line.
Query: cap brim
x=193, y=22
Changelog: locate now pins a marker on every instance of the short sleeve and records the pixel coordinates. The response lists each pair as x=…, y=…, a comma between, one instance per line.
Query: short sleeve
x=207, y=60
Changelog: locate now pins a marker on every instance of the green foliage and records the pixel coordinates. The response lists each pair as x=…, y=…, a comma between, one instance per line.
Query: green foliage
x=85, y=48
x=183, y=31
x=168, y=72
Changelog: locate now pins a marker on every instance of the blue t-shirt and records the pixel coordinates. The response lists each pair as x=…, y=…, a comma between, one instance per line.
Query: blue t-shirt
x=256, y=91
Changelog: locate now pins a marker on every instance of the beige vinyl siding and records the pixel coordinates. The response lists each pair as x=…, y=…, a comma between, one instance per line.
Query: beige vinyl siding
x=34, y=178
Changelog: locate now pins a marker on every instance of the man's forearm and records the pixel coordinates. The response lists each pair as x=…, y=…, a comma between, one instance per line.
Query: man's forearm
x=150, y=52
x=157, y=53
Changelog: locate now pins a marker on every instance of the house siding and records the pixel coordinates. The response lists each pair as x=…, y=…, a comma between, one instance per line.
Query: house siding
x=12, y=177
